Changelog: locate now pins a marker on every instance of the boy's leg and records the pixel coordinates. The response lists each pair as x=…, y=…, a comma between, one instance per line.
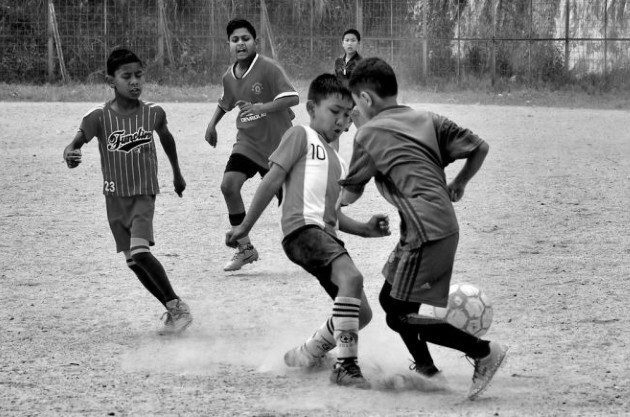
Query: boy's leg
x=144, y=278
x=231, y=186
x=345, y=321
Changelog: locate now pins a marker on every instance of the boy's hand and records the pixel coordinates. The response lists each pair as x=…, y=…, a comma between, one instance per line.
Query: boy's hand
x=456, y=191
x=180, y=184
x=378, y=226
x=72, y=157
x=248, y=109
x=232, y=236
x=211, y=135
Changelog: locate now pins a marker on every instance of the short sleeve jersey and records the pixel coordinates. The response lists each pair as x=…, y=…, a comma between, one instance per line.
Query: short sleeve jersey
x=127, y=148
x=311, y=190
x=406, y=152
x=258, y=135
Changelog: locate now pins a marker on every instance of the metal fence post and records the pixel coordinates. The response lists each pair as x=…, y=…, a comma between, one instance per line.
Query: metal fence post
x=358, y=5
x=51, y=47
x=566, y=37
x=493, y=57
x=605, y=39
x=425, y=43
x=160, y=37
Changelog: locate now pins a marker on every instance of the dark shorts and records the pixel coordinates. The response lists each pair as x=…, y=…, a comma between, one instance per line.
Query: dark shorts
x=241, y=163
x=422, y=275
x=130, y=217
x=314, y=250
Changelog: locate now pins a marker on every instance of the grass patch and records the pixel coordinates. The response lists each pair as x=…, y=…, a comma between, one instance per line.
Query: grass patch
x=569, y=96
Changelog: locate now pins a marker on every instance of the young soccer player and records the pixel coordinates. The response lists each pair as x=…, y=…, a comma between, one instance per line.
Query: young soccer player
x=406, y=151
x=124, y=128
x=307, y=169
x=351, y=42
x=264, y=96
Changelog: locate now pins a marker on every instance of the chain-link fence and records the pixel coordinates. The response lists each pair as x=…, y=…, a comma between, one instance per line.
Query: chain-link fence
x=184, y=41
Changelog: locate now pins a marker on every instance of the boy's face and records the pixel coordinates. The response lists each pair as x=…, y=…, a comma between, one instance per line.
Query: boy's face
x=331, y=116
x=242, y=44
x=350, y=44
x=128, y=80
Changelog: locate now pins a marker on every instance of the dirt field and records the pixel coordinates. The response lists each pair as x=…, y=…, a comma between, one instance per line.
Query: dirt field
x=544, y=233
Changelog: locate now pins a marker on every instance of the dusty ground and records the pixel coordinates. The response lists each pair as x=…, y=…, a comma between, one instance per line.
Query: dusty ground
x=544, y=233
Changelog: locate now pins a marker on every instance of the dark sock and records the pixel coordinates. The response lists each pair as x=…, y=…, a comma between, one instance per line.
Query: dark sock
x=153, y=268
x=236, y=219
x=144, y=278
x=444, y=334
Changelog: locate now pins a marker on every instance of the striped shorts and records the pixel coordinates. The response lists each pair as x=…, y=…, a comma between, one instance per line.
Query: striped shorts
x=422, y=275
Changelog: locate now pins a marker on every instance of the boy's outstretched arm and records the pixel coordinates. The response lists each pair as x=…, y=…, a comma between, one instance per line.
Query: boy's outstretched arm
x=473, y=163
x=168, y=143
x=266, y=191
x=377, y=226
x=280, y=104
x=211, y=130
x=72, y=152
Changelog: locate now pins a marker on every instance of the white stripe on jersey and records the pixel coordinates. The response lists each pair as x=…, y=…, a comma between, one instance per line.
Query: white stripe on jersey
x=286, y=94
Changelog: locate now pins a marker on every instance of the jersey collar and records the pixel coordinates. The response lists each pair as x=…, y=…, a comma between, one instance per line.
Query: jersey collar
x=246, y=72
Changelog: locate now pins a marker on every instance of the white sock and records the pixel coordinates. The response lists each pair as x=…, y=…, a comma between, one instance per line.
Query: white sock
x=345, y=321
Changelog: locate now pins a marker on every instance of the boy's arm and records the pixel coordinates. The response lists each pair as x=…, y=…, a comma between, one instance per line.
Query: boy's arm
x=72, y=152
x=268, y=188
x=168, y=143
x=211, y=131
x=473, y=163
x=362, y=169
x=276, y=105
x=377, y=226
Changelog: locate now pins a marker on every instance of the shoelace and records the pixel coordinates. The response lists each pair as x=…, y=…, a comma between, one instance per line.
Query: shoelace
x=168, y=316
x=353, y=370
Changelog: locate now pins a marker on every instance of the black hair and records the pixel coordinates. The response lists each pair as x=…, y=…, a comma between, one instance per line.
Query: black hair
x=326, y=85
x=238, y=24
x=352, y=32
x=374, y=74
x=118, y=58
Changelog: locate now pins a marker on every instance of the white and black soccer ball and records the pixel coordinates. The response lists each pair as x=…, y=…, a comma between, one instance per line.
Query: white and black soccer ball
x=468, y=309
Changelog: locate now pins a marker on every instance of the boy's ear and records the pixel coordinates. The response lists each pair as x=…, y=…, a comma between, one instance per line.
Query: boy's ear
x=367, y=97
x=109, y=80
x=310, y=107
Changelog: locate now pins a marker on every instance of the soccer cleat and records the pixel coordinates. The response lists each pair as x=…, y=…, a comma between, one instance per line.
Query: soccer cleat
x=245, y=255
x=299, y=357
x=348, y=374
x=485, y=368
x=427, y=371
x=178, y=317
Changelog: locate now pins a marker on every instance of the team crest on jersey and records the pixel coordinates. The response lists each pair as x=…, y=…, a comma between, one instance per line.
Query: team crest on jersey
x=118, y=141
x=257, y=88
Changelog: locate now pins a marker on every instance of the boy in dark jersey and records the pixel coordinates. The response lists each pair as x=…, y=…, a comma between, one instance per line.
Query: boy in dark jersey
x=406, y=152
x=264, y=95
x=308, y=169
x=350, y=41
x=124, y=129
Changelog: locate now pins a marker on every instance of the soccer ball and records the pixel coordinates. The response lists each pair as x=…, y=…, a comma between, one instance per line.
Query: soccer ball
x=468, y=309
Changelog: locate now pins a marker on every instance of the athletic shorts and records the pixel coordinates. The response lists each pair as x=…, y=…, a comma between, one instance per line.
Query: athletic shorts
x=130, y=217
x=314, y=250
x=241, y=163
x=422, y=275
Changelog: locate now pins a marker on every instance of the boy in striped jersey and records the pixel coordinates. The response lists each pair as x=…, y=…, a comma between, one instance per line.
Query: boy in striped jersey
x=258, y=86
x=124, y=129
x=406, y=152
x=308, y=169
